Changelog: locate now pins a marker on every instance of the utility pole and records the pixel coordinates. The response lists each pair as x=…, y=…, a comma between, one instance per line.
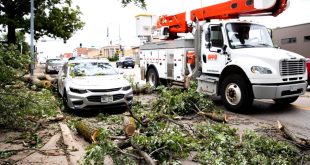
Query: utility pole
x=31, y=37
x=119, y=40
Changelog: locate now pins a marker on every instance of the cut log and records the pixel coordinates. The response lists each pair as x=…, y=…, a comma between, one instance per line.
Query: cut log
x=37, y=82
x=87, y=130
x=290, y=135
x=129, y=126
x=215, y=117
x=41, y=77
x=41, y=84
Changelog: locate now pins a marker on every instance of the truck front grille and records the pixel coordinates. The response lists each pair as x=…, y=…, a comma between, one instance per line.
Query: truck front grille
x=292, y=67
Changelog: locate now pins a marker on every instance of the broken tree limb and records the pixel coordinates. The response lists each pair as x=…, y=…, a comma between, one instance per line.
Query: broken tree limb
x=177, y=123
x=87, y=130
x=131, y=113
x=124, y=144
x=147, y=158
x=129, y=126
x=290, y=135
x=215, y=117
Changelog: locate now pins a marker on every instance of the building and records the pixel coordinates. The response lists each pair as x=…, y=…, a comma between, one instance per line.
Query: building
x=86, y=52
x=293, y=38
x=110, y=51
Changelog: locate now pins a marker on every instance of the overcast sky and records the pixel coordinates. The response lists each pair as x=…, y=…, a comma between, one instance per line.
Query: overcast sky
x=100, y=14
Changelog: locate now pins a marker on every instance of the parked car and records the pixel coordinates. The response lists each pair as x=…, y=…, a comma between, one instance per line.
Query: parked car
x=53, y=65
x=93, y=84
x=308, y=69
x=125, y=62
x=75, y=58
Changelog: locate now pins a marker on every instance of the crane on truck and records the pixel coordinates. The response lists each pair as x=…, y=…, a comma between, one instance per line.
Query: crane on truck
x=230, y=58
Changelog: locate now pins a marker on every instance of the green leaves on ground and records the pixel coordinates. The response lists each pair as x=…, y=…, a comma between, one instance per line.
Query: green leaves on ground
x=182, y=102
x=17, y=102
x=170, y=140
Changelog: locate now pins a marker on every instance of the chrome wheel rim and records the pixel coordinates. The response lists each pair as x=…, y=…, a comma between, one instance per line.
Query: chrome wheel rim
x=233, y=94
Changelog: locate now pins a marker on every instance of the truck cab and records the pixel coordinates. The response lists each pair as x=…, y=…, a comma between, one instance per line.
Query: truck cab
x=240, y=63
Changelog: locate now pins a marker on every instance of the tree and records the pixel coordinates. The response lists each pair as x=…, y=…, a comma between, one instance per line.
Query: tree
x=139, y=3
x=53, y=18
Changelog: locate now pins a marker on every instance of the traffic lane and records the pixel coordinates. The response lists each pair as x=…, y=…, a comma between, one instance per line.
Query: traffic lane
x=295, y=115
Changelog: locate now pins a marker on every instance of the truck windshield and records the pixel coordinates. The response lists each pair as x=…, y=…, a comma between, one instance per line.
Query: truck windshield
x=246, y=35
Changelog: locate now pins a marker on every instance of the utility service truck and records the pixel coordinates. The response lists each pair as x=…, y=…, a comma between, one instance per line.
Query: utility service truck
x=230, y=58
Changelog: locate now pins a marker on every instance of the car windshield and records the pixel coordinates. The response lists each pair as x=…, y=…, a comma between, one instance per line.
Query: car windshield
x=245, y=35
x=91, y=69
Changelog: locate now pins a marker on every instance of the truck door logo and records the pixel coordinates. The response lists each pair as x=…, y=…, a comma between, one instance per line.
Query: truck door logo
x=212, y=57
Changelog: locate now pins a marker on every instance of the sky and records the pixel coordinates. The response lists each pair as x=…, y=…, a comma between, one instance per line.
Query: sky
x=99, y=15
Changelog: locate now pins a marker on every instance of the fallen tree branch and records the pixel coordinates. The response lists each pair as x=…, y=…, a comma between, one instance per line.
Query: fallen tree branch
x=131, y=113
x=215, y=117
x=125, y=153
x=177, y=123
x=291, y=135
x=158, y=149
x=147, y=158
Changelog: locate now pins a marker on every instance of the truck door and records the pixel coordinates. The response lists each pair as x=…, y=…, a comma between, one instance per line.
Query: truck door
x=213, y=58
x=170, y=64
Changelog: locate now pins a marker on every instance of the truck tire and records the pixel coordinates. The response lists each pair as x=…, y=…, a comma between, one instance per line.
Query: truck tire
x=152, y=77
x=236, y=93
x=285, y=101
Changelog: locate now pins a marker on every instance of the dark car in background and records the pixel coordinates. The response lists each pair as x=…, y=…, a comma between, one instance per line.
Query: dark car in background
x=125, y=62
x=308, y=69
x=53, y=65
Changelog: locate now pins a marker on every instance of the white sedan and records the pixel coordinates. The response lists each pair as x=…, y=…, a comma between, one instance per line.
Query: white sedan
x=93, y=84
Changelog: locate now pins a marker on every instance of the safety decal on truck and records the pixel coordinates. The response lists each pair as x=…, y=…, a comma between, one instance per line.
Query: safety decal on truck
x=212, y=57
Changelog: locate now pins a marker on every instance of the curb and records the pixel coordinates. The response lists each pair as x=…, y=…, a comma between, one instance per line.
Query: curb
x=75, y=150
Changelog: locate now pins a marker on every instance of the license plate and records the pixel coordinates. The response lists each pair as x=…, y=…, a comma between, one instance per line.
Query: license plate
x=106, y=99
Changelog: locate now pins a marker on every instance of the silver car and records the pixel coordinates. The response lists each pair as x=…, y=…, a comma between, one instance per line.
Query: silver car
x=93, y=84
x=53, y=65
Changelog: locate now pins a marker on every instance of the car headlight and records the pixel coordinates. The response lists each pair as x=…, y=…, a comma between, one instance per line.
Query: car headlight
x=260, y=70
x=80, y=91
x=126, y=88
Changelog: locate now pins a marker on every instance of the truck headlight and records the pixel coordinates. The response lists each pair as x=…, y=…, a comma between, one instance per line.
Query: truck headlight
x=260, y=70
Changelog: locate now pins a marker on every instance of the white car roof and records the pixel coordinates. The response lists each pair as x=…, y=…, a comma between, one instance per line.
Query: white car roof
x=87, y=60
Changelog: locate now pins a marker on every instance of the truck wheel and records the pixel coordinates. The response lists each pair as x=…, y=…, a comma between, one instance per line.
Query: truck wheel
x=152, y=77
x=285, y=101
x=236, y=94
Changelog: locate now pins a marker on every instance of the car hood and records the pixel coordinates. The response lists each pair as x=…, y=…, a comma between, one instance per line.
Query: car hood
x=99, y=82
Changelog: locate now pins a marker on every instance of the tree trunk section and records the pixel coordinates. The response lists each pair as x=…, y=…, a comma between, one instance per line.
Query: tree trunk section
x=87, y=130
x=129, y=126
